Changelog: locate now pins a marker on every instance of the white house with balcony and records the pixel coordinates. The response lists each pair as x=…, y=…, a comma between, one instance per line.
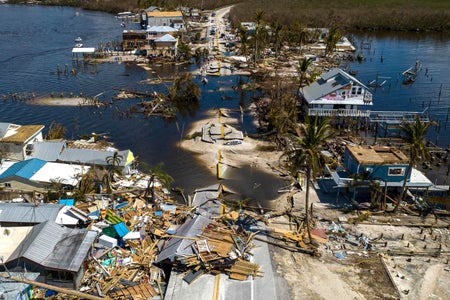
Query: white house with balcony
x=336, y=94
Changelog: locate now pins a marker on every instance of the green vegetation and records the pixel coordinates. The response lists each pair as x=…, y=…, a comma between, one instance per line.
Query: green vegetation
x=348, y=15
x=396, y=15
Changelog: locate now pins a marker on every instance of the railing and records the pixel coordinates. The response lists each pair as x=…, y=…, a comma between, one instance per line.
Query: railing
x=396, y=117
x=323, y=112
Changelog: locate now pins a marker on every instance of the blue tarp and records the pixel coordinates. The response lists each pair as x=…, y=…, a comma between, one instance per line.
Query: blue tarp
x=121, y=229
x=67, y=202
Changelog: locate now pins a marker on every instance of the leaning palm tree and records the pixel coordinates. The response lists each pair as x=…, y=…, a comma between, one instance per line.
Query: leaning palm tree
x=156, y=173
x=414, y=134
x=306, y=153
x=303, y=66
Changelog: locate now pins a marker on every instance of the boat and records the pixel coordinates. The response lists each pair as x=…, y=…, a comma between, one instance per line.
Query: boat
x=78, y=45
x=410, y=74
x=126, y=15
x=213, y=67
x=123, y=24
x=78, y=40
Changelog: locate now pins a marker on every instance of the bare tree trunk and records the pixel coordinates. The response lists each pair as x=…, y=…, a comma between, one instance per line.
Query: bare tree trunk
x=403, y=192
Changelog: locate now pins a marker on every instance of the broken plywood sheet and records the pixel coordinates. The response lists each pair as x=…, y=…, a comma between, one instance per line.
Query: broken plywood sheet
x=141, y=291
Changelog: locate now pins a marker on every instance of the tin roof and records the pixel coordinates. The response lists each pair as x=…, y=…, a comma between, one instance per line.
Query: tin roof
x=48, y=150
x=166, y=38
x=19, y=133
x=28, y=212
x=25, y=169
x=161, y=29
x=331, y=81
x=177, y=247
x=64, y=173
x=97, y=157
x=56, y=247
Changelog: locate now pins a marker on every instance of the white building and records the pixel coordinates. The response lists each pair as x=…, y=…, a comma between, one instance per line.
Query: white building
x=16, y=141
x=336, y=94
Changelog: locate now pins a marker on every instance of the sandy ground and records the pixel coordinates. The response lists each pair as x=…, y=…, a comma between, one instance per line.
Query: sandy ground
x=63, y=101
x=360, y=275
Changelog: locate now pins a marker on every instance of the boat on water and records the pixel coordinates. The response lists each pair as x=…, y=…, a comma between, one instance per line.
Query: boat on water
x=78, y=40
x=410, y=74
x=126, y=15
x=213, y=67
x=78, y=45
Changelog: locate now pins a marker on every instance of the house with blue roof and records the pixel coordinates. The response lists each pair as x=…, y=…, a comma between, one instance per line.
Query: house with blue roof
x=37, y=175
x=336, y=94
x=18, y=175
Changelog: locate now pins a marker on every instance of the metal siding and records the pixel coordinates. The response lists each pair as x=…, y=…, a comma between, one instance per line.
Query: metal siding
x=28, y=212
x=48, y=150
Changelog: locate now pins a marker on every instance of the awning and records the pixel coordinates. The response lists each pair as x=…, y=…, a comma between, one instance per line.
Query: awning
x=83, y=50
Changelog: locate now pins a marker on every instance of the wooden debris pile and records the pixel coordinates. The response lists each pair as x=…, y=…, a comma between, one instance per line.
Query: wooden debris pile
x=220, y=249
x=121, y=265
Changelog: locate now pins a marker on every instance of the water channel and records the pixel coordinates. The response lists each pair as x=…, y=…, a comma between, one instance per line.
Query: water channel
x=36, y=40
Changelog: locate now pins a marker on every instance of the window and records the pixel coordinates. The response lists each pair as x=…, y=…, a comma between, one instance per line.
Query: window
x=396, y=171
x=7, y=184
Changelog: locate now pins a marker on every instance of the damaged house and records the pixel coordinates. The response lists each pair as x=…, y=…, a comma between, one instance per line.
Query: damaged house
x=336, y=94
x=56, y=252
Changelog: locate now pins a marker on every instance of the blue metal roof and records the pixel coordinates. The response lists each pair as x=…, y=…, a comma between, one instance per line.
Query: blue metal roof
x=25, y=169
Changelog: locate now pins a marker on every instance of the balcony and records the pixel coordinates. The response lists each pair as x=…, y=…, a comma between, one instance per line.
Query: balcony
x=322, y=112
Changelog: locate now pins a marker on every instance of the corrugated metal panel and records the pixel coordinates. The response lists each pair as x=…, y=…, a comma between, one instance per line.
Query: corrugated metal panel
x=324, y=85
x=89, y=156
x=177, y=247
x=48, y=150
x=11, y=289
x=28, y=212
x=161, y=29
x=25, y=169
x=56, y=247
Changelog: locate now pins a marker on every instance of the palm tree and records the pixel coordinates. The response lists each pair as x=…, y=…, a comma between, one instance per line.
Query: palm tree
x=243, y=38
x=156, y=173
x=414, y=134
x=258, y=33
x=333, y=38
x=114, y=162
x=303, y=66
x=306, y=153
x=277, y=37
